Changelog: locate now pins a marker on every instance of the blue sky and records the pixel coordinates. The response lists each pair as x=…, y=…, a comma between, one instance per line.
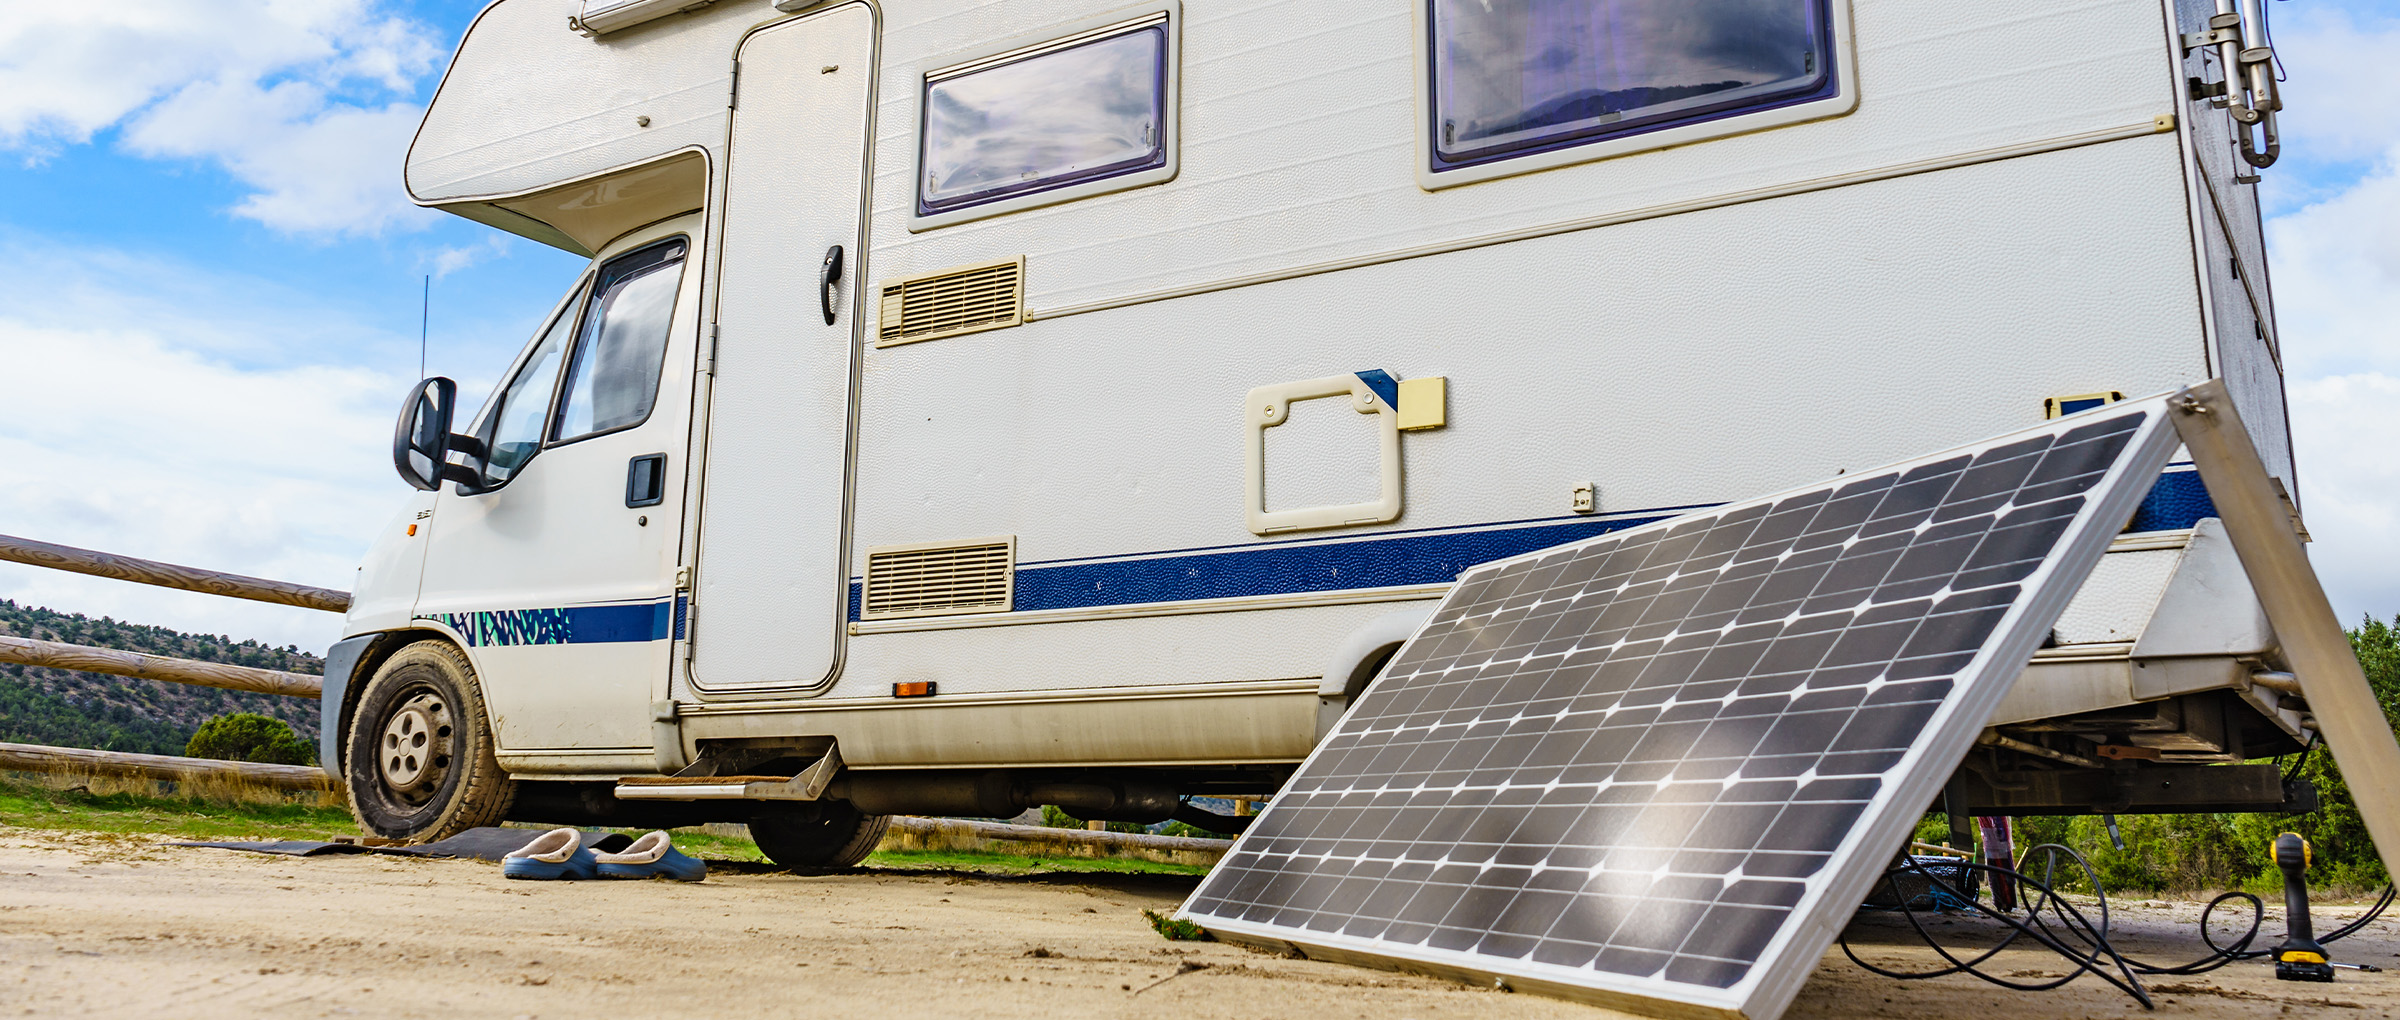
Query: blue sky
x=210, y=277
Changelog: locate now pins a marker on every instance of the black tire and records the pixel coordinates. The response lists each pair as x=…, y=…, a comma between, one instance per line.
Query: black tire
x=816, y=836
x=417, y=758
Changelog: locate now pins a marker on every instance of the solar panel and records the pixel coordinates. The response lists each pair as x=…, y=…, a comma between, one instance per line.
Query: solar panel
x=1658, y=769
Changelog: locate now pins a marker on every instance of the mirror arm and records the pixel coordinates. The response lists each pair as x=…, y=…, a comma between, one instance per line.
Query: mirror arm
x=470, y=481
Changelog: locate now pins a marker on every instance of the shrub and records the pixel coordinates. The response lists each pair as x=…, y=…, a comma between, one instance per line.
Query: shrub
x=1055, y=818
x=1177, y=930
x=246, y=736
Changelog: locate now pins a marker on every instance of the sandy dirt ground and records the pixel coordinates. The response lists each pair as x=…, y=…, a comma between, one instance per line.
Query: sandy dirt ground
x=114, y=926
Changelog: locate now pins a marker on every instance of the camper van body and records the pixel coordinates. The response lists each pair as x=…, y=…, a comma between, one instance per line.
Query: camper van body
x=1212, y=432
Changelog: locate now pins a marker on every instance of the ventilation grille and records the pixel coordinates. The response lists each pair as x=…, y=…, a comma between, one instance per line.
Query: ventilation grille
x=939, y=580
x=954, y=301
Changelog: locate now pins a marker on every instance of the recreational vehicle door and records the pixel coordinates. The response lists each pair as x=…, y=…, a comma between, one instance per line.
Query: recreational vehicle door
x=769, y=592
x=553, y=572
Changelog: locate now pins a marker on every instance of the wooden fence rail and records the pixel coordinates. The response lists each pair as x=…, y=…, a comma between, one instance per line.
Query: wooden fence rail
x=37, y=758
x=55, y=655
x=169, y=575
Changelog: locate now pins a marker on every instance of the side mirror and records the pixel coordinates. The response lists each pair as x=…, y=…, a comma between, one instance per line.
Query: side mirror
x=422, y=442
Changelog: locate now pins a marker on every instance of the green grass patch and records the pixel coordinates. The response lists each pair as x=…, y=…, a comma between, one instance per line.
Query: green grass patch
x=710, y=845
x=734, y=848
x=1177, y=930
x=32, y=806
x=264, y=815
x=960, y=860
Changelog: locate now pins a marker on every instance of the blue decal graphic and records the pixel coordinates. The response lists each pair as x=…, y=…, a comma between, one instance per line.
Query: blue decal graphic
x=509, y=627
x=1383, y=384
x=573, y=625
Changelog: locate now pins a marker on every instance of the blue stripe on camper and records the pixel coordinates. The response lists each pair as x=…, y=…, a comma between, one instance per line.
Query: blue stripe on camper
x=1428, y=556
x=573, y=625
x=1285, y=569
x=1313, y=565
x=2177, y=501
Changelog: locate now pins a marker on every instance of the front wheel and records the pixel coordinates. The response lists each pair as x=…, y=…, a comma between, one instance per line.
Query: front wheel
x=419, y=759
x=816, y=835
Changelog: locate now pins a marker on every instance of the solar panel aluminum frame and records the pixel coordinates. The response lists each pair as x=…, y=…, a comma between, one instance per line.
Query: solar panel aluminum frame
x=1891, y=814
x=2266, y=536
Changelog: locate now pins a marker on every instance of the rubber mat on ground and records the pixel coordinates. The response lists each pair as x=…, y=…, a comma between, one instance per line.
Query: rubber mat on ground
x=489, y=843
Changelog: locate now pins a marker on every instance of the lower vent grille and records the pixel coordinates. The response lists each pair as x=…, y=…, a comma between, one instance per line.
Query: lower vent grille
x=963, y=300
x=939, y=579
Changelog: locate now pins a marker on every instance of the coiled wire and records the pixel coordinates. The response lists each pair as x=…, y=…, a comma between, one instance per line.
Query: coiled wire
x=2059, y=926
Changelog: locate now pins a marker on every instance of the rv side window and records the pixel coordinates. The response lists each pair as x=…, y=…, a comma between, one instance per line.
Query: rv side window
x=1048, y=122
x=1510, y=80
x=613, y=380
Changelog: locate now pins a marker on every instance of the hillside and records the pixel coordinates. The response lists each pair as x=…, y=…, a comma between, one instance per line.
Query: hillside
x=70, y=709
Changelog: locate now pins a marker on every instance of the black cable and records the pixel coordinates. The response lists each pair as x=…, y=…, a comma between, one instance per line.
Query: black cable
x=2217, y=956
x=2097, y=955
x=2039, y=931
x=2352, y=928
x=2313, y=737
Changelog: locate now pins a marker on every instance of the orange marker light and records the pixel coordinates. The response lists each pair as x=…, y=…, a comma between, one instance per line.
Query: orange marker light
x=412, y=531
x=913, y=689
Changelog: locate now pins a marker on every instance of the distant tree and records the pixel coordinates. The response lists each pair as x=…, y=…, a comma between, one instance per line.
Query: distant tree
x=2195, y=852
x=247, y=736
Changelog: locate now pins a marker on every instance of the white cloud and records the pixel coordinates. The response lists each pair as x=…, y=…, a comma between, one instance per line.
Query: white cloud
x=308, y=102
x=146, y=422
x=2336, y=276
x=446, y=260
x=2346, y=431
x=2336, y=80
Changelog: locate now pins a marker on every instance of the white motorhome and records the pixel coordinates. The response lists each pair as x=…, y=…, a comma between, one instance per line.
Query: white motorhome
x=972, y=406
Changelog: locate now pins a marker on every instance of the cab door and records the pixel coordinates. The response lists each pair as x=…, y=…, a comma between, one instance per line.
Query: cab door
x=769, y=592
x=556, y=571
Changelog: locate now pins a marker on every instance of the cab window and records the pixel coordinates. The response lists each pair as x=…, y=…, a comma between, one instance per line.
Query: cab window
x=515, y=420
x=619, y=352
x=595, y=369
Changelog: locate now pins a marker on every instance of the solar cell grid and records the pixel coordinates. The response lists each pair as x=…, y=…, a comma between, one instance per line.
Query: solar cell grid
x=1629, y=762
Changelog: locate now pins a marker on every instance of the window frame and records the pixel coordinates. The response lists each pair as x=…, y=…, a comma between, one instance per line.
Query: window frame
x=486, y=418
x=577, y=302
x=558, y=396
x=1031, y=45
x=1841, y=67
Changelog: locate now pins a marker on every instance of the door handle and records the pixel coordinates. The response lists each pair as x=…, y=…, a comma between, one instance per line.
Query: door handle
x=646, y=480
x=827, y=275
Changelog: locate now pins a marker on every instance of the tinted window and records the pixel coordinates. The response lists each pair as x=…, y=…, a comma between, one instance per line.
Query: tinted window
x=1009, y=127
x=1517, y=76
x=515, y=421
x=623, y=344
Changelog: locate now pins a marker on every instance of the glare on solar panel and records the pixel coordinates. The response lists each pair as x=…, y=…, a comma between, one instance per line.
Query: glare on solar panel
x=1658, y=768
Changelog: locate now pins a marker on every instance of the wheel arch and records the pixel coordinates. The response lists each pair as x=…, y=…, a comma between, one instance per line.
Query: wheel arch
x=348, y=665
x=1359, y=657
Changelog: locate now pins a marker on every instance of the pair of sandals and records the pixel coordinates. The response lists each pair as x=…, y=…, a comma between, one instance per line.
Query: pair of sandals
x=560, y=854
